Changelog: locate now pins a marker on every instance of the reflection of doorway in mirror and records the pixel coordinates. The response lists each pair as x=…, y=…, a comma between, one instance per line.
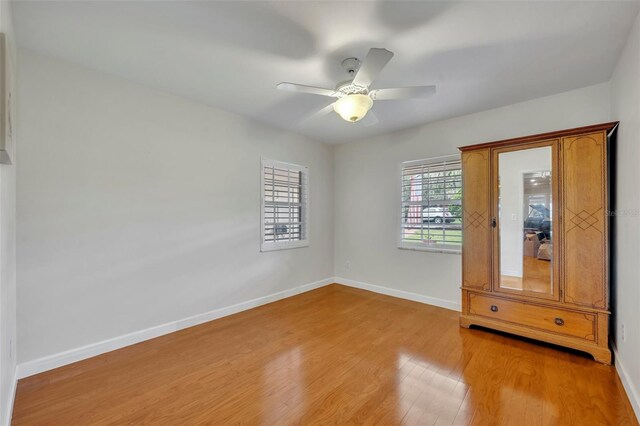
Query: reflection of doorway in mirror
x=526, y=220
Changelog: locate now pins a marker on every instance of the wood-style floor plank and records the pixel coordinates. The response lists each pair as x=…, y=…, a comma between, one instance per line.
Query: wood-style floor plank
x=335, y=355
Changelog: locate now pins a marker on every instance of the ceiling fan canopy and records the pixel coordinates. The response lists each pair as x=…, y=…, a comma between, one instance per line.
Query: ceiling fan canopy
x=354, y=97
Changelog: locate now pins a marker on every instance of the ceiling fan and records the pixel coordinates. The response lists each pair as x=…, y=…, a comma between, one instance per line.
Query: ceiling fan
x=354, y=97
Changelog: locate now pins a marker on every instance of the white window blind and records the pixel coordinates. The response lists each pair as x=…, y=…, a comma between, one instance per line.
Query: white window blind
x=285, y=203
x=431, y=206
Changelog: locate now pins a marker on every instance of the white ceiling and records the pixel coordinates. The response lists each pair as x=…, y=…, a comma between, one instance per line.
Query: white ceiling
x=231, y=54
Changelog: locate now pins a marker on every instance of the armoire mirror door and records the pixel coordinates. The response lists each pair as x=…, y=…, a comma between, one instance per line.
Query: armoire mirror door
x=526, y=226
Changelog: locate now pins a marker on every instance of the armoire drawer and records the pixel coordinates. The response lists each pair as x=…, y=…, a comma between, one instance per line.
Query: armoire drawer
x=545, y=318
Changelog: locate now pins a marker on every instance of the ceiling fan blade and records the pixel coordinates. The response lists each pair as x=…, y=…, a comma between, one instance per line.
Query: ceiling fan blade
x=402, y=93
x=369, y=120
x=300, y=88
x=371, y=66
x=320, y=113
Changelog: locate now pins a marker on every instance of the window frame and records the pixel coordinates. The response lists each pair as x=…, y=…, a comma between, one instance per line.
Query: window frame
x=304, y=217
x=421, y=246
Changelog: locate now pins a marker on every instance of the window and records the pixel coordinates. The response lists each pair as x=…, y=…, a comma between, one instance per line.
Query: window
x=285, y=203
x=431, y=207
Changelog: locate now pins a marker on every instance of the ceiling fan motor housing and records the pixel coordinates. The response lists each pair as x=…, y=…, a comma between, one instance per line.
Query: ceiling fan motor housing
x=351, y=66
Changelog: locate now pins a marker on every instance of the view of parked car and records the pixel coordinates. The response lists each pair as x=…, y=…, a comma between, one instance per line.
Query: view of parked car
x=437, y=215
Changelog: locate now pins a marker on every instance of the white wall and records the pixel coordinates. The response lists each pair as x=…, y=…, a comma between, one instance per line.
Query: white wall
x=367, y=188
x=7, y=257
x=625, y=107
x=137, y=208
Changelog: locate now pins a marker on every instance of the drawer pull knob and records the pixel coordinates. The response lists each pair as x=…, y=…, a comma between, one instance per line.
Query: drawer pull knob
x=494, y=308
x=559, y=321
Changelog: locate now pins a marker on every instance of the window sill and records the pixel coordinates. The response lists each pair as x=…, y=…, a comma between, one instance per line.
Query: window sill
x=432, y=249
x=277, y=247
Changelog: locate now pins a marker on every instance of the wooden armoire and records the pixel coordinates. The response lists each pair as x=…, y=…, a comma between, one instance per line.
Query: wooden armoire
x=535, y=253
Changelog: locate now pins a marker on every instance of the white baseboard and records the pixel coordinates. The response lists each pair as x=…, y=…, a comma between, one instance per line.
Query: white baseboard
x=6, y=420
x=50, y=362
x=511, y=272
x=447, y=304
x=627, y=383
x=68, y=357
x=60, y=359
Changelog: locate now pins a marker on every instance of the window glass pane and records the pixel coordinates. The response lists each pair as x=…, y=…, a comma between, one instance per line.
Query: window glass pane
x=432, y=204
x=284, y=204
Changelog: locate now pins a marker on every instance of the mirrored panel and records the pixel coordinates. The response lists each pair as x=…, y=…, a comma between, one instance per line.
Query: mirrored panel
x=525, y=220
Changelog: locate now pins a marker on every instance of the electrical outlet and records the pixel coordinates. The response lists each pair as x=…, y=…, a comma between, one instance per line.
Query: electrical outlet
x=622, y=333
x=347, y=265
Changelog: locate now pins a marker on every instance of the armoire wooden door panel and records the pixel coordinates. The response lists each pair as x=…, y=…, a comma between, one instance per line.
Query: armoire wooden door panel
x=584, y=210
x=476, y=202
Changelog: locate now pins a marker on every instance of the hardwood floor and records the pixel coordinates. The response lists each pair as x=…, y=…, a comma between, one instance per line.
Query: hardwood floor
x=536, y=277
x=335, y=355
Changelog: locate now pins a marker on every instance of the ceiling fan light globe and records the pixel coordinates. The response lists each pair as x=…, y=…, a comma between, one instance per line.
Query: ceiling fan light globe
x=353, y=107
